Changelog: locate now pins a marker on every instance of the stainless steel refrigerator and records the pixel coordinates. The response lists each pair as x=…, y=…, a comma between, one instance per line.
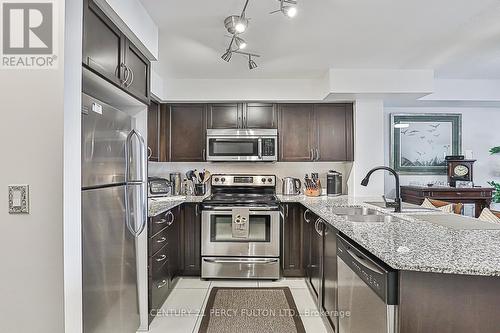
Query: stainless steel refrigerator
x=114, y=214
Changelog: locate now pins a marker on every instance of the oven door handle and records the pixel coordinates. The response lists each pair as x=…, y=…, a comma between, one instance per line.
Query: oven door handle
x=237, y=261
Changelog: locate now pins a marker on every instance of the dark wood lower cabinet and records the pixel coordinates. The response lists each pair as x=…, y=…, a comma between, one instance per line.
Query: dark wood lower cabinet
x=329, y=285
x=448, y=303
x=315, y=265
x=292, y=246
x=190, y=261
x=163, y=253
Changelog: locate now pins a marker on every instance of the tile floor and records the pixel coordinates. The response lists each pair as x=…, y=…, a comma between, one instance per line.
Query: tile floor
x=182, y=311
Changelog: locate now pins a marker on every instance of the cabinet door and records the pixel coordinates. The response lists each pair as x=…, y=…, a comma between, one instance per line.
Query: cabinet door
x=102, y=44
x=308, y=219
x=191, y=240
x=333, y=132
x=295, y=132
x=316, y=256
x=187, y=132
x=329, y=289
x=137, y=73
x=259, y=115
x=164, y=134
x=292, y=241
x=225, y=116
x=153, y=131
x=174, y=243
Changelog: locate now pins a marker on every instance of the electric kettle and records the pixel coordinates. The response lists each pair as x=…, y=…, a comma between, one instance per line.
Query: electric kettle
x=291, y=186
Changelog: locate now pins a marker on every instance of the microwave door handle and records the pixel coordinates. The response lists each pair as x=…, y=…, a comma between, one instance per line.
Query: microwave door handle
x=259, y=144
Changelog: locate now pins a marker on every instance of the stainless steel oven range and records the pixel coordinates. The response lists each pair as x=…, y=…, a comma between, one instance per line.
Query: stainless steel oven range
x=240, y=228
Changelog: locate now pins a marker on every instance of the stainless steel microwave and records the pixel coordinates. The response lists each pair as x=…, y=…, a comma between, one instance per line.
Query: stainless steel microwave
x=233, y=145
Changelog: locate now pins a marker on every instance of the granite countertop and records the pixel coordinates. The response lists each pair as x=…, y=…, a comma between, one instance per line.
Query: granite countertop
x=160, y=205
x=411, y=243
x=405, y=243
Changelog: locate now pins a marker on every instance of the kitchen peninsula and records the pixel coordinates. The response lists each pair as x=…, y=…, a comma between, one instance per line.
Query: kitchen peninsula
x=432, y=260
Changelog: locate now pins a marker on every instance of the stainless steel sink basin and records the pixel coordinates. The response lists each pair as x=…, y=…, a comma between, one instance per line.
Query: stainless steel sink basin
x=354, y=211
x=369, y=218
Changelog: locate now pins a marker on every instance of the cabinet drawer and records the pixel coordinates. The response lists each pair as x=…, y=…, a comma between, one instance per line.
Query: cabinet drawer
x=158, y=241
x=157, y=261
x=160, y=287
x=458, y=195
x=160, y=221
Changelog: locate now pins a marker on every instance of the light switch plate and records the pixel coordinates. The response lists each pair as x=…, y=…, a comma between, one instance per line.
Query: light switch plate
x=19, y=202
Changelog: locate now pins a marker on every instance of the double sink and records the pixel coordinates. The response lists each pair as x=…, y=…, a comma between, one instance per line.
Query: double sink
x=361, y=214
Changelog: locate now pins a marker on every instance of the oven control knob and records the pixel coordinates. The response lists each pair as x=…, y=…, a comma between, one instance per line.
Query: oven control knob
x=270, y=180
x=223, y=179
x=263, y=180
x=216, y=179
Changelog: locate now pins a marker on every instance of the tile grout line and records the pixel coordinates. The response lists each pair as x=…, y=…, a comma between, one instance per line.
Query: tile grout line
x=202, y=311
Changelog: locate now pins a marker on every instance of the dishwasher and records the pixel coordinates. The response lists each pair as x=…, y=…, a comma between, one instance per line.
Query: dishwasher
x=367, y=291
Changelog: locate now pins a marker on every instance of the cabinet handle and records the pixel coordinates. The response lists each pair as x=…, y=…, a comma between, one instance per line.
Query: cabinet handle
x=162, y=284
x=131, y=77
x=161, y=258
x=305, y=216
x=459, y=193
x=311, y=153
x=203, y=154
x=169, y=213
x=150, y=152
x=317, y=154
x=161, y=221
x=161, y=240
x=316, y=226
x=126, y=73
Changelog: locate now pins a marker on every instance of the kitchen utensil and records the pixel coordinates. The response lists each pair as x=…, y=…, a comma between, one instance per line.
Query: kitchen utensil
x=175, y=182
x=207, y=176
x=333, y=183
x=291, y=186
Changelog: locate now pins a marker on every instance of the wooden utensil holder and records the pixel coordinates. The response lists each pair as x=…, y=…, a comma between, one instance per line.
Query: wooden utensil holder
x=313, y=192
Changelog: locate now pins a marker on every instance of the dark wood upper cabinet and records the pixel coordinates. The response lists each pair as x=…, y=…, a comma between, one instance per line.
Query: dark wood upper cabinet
x=241, y=115
x=224, y=116
x=153, y=131
x=187, y=132
x=138, y=71
x=103, y=44
x=295, y=132
x=108, y=53
x=293, y=240
x=164, y=130
x=260, y=115
x=333, y=131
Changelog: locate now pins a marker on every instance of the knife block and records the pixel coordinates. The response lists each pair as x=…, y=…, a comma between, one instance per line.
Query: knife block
x=313, y=192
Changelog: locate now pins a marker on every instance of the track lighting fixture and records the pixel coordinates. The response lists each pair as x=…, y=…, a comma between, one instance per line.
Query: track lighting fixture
x=238, y=24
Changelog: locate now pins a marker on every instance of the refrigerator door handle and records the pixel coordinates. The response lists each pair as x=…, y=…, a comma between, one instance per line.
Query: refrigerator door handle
x=142, y=181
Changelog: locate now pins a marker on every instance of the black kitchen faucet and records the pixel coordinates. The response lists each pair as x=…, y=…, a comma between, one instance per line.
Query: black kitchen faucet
x=397, y=202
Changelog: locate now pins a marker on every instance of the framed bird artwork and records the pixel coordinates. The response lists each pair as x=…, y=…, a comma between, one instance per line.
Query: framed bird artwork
x=420, y=142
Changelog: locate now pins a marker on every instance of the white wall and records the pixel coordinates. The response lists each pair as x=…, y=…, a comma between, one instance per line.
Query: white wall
x=31, y=246
x=368, y=147
x=480, y=132
x=281, y=169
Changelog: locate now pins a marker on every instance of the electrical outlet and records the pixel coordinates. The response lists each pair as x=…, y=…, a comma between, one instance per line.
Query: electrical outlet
x=19, y=199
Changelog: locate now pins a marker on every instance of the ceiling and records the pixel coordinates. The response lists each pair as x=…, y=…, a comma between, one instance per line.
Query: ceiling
x=457, y=38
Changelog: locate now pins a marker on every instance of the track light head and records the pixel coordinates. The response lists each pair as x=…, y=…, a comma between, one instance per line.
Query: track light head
x=251, y=63
x=290, y=11
x=236, y=24
x=240, y=43
x=227, y=56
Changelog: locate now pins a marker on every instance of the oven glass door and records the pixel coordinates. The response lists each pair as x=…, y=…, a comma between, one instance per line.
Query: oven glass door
x=233, y=147
x=217, y=234
x=221, y=229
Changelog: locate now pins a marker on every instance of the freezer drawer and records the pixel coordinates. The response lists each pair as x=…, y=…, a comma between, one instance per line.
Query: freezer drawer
x=240, y=268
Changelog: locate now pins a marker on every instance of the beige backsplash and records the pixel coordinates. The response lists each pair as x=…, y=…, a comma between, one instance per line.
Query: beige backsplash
x=281, y=169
